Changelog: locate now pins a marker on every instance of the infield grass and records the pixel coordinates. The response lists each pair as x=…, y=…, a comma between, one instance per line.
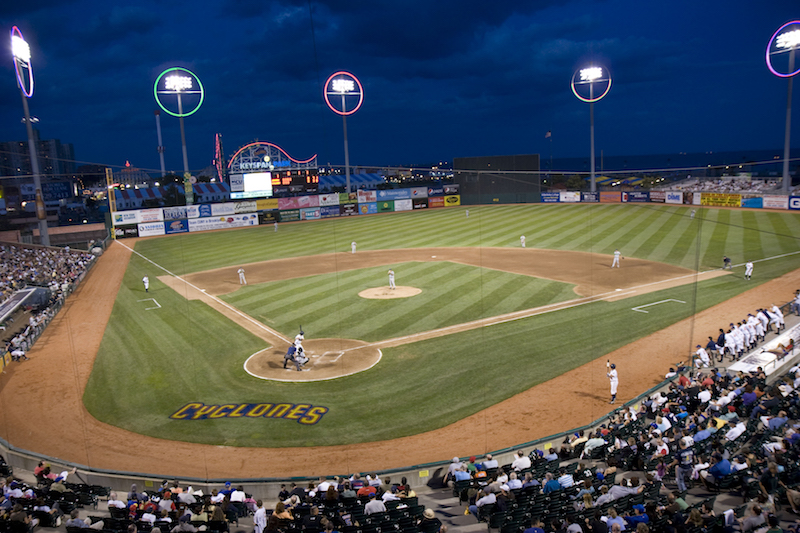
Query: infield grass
x=155, y=362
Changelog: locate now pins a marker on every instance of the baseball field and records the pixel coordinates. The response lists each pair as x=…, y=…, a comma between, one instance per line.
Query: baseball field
x=199, y=357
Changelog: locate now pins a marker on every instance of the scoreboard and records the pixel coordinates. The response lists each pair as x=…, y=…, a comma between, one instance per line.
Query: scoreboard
x=304, y=181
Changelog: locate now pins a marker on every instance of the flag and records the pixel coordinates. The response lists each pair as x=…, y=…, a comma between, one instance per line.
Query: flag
x=548, y=134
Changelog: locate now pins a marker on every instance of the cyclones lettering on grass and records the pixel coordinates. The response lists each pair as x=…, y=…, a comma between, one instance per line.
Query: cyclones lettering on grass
x=303, y=413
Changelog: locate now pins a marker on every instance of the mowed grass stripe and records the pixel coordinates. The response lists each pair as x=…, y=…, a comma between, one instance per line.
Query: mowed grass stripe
x=651, y=236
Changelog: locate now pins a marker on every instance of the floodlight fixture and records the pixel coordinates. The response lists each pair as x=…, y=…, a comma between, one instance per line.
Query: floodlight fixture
x=587, y=78
x=347, y=88
x=22, y=61
x=785, y=39
x=177, y=83
x=591, y=73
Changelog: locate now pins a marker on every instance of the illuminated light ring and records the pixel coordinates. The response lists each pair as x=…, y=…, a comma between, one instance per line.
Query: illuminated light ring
x=587, y=100
x=16, y=31
x=360, y=93
x=264, y=143
x=769, y=45
x=158, y=101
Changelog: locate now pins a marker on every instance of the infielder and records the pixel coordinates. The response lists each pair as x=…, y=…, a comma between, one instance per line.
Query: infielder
x=391, y=279
x=146, y=282
x=616, y=259
x=748, y=270
x=522, y=241
x=242, y=280
x=613, y=380
x=353, y=247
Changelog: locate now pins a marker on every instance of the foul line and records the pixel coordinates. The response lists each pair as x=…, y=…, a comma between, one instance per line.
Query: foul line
x=212, y=297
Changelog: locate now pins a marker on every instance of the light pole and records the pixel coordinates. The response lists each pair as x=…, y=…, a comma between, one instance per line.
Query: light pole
x=344, y=84
x=22, y=66
x=160, y=143
x=582, y=80
x=180, y=81
x=786, y=39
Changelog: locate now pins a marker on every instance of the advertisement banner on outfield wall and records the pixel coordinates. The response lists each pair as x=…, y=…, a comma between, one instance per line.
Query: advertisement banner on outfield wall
x=607, y=197
x=635, y=196
x=718, y=199
x=150, y=229
x=247, y=206
x=307, y=201
x=697, y=198
x=329, y=199
x=436, y=201
x=551, y=197
x=674, y=197
x=450, y=189
x=268, y=217
x=658, y=196
x=348, y=210
x=151, y=215
x=365, y=197
x=348, y=198
x=218, y=210
x=420, y=203
x=452, y=201
x=291, y=215
x=776, y=202
x=126, y=233
x=223, y=222
x=287, y=203
x=393, y=194
x=369, y=208
x=176, y=226
x=419, y=192
x=569, y=196
x=385, y=207
x=310, y=213
x=403, y=205
x=329, y=211
x=794, y=202
x=753, y=202
x=267, y=204
x=174, y=213
x=435, y=191
x=123, y=218
x=590, y=197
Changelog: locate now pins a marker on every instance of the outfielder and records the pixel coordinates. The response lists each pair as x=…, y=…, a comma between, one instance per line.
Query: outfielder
x=391, y=279
x=616, y=259
x=613, y=380
x=242, y=280
x=748, y=270
x=146, y=282
x=353, y=247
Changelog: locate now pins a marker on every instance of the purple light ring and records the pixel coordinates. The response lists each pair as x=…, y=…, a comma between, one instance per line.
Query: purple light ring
x=769, y=45
x=588, y=100
x=360, y=94
x=16, y=67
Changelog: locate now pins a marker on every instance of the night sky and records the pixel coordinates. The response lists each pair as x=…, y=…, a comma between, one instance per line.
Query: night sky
x=441, y=78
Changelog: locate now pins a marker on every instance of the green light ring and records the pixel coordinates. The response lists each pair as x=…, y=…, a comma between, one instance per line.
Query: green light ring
x=158, y=101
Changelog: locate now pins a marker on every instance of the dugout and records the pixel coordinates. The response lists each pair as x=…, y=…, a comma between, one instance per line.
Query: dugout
x=498, y=179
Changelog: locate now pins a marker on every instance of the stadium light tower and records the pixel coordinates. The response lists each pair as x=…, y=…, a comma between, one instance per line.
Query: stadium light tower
x=346, y=86
x=179, y=81
x=22, y=65
x=583, y=80
x=785, y=40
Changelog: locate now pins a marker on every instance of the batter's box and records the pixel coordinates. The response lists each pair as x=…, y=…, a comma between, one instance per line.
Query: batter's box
x=158, y=305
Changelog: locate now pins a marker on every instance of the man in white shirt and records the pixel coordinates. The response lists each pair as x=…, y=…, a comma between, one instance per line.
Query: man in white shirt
x=260, y=518
x=735, y=430
x=522, y=462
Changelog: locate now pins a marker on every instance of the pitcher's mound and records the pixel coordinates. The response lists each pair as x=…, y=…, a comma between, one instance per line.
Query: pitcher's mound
x=385, y=293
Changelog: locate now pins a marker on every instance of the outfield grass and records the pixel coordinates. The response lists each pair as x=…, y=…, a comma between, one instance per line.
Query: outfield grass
x=155, y=362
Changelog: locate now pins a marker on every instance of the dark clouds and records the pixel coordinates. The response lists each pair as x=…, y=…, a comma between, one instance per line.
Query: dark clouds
x=441, y=79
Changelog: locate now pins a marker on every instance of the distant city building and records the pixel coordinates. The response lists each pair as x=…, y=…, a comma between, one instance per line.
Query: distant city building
x=132, y=176
x=56, y=159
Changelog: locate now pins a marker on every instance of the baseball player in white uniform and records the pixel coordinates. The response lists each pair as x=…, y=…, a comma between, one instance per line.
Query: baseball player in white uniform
x=776, y=317
x=702, y=357
x=522, y=241
x=616, y=259
x=276, y=226
x=298, y=339
x=613, y=380
x=146, y=282
x=748, y=270
x=353, y=247
x=242, y=280
x=391, y=279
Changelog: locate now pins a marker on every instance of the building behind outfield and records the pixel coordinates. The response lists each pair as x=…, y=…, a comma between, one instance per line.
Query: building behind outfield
x=498, y=179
